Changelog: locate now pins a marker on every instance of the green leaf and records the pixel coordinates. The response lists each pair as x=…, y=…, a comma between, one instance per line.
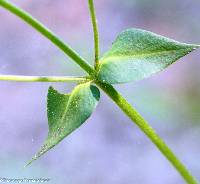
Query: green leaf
x=137, y=54
x=66, y=112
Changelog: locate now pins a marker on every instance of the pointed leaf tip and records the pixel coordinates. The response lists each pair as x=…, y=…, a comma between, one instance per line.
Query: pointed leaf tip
x=137, y=54
x=67, y=112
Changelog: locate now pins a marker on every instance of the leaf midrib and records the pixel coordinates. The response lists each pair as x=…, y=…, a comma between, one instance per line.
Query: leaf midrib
x=142, y=54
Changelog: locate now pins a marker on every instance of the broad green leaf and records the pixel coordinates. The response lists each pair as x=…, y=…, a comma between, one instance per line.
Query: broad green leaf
x=66, y=112
x=137, y=54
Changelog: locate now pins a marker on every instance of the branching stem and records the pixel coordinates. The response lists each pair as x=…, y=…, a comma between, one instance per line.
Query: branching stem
x=108, y=89
x=21, y=78
x=95, y=30
x=48, y=34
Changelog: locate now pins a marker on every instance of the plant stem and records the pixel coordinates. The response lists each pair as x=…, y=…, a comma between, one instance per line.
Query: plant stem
x=21, y=78
x=114, y=95
x=48, y=34
x=148, y=130
x=95, y=30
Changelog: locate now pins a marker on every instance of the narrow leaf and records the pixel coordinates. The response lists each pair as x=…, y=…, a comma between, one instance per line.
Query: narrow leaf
x=137, y=54
x=66, y=112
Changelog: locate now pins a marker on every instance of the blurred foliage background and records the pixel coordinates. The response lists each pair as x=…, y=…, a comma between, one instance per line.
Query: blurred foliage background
x=109, y=148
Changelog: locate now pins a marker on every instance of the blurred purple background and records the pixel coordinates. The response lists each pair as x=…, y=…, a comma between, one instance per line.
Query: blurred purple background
x=109, y=148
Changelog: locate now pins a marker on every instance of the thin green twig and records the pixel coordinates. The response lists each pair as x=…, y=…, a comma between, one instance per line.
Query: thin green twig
x=114, y=95
x=48, y=34
x=148, y=130
x=95, y=30
x=21, y=78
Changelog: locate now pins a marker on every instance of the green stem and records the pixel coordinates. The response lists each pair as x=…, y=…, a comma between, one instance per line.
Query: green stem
x=114, y=95
x=48, y=34
x=148, y=130
x=95, y=30
x=21, y=78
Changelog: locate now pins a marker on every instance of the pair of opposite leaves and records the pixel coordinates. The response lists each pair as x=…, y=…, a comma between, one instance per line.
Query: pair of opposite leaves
x=136, y=54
